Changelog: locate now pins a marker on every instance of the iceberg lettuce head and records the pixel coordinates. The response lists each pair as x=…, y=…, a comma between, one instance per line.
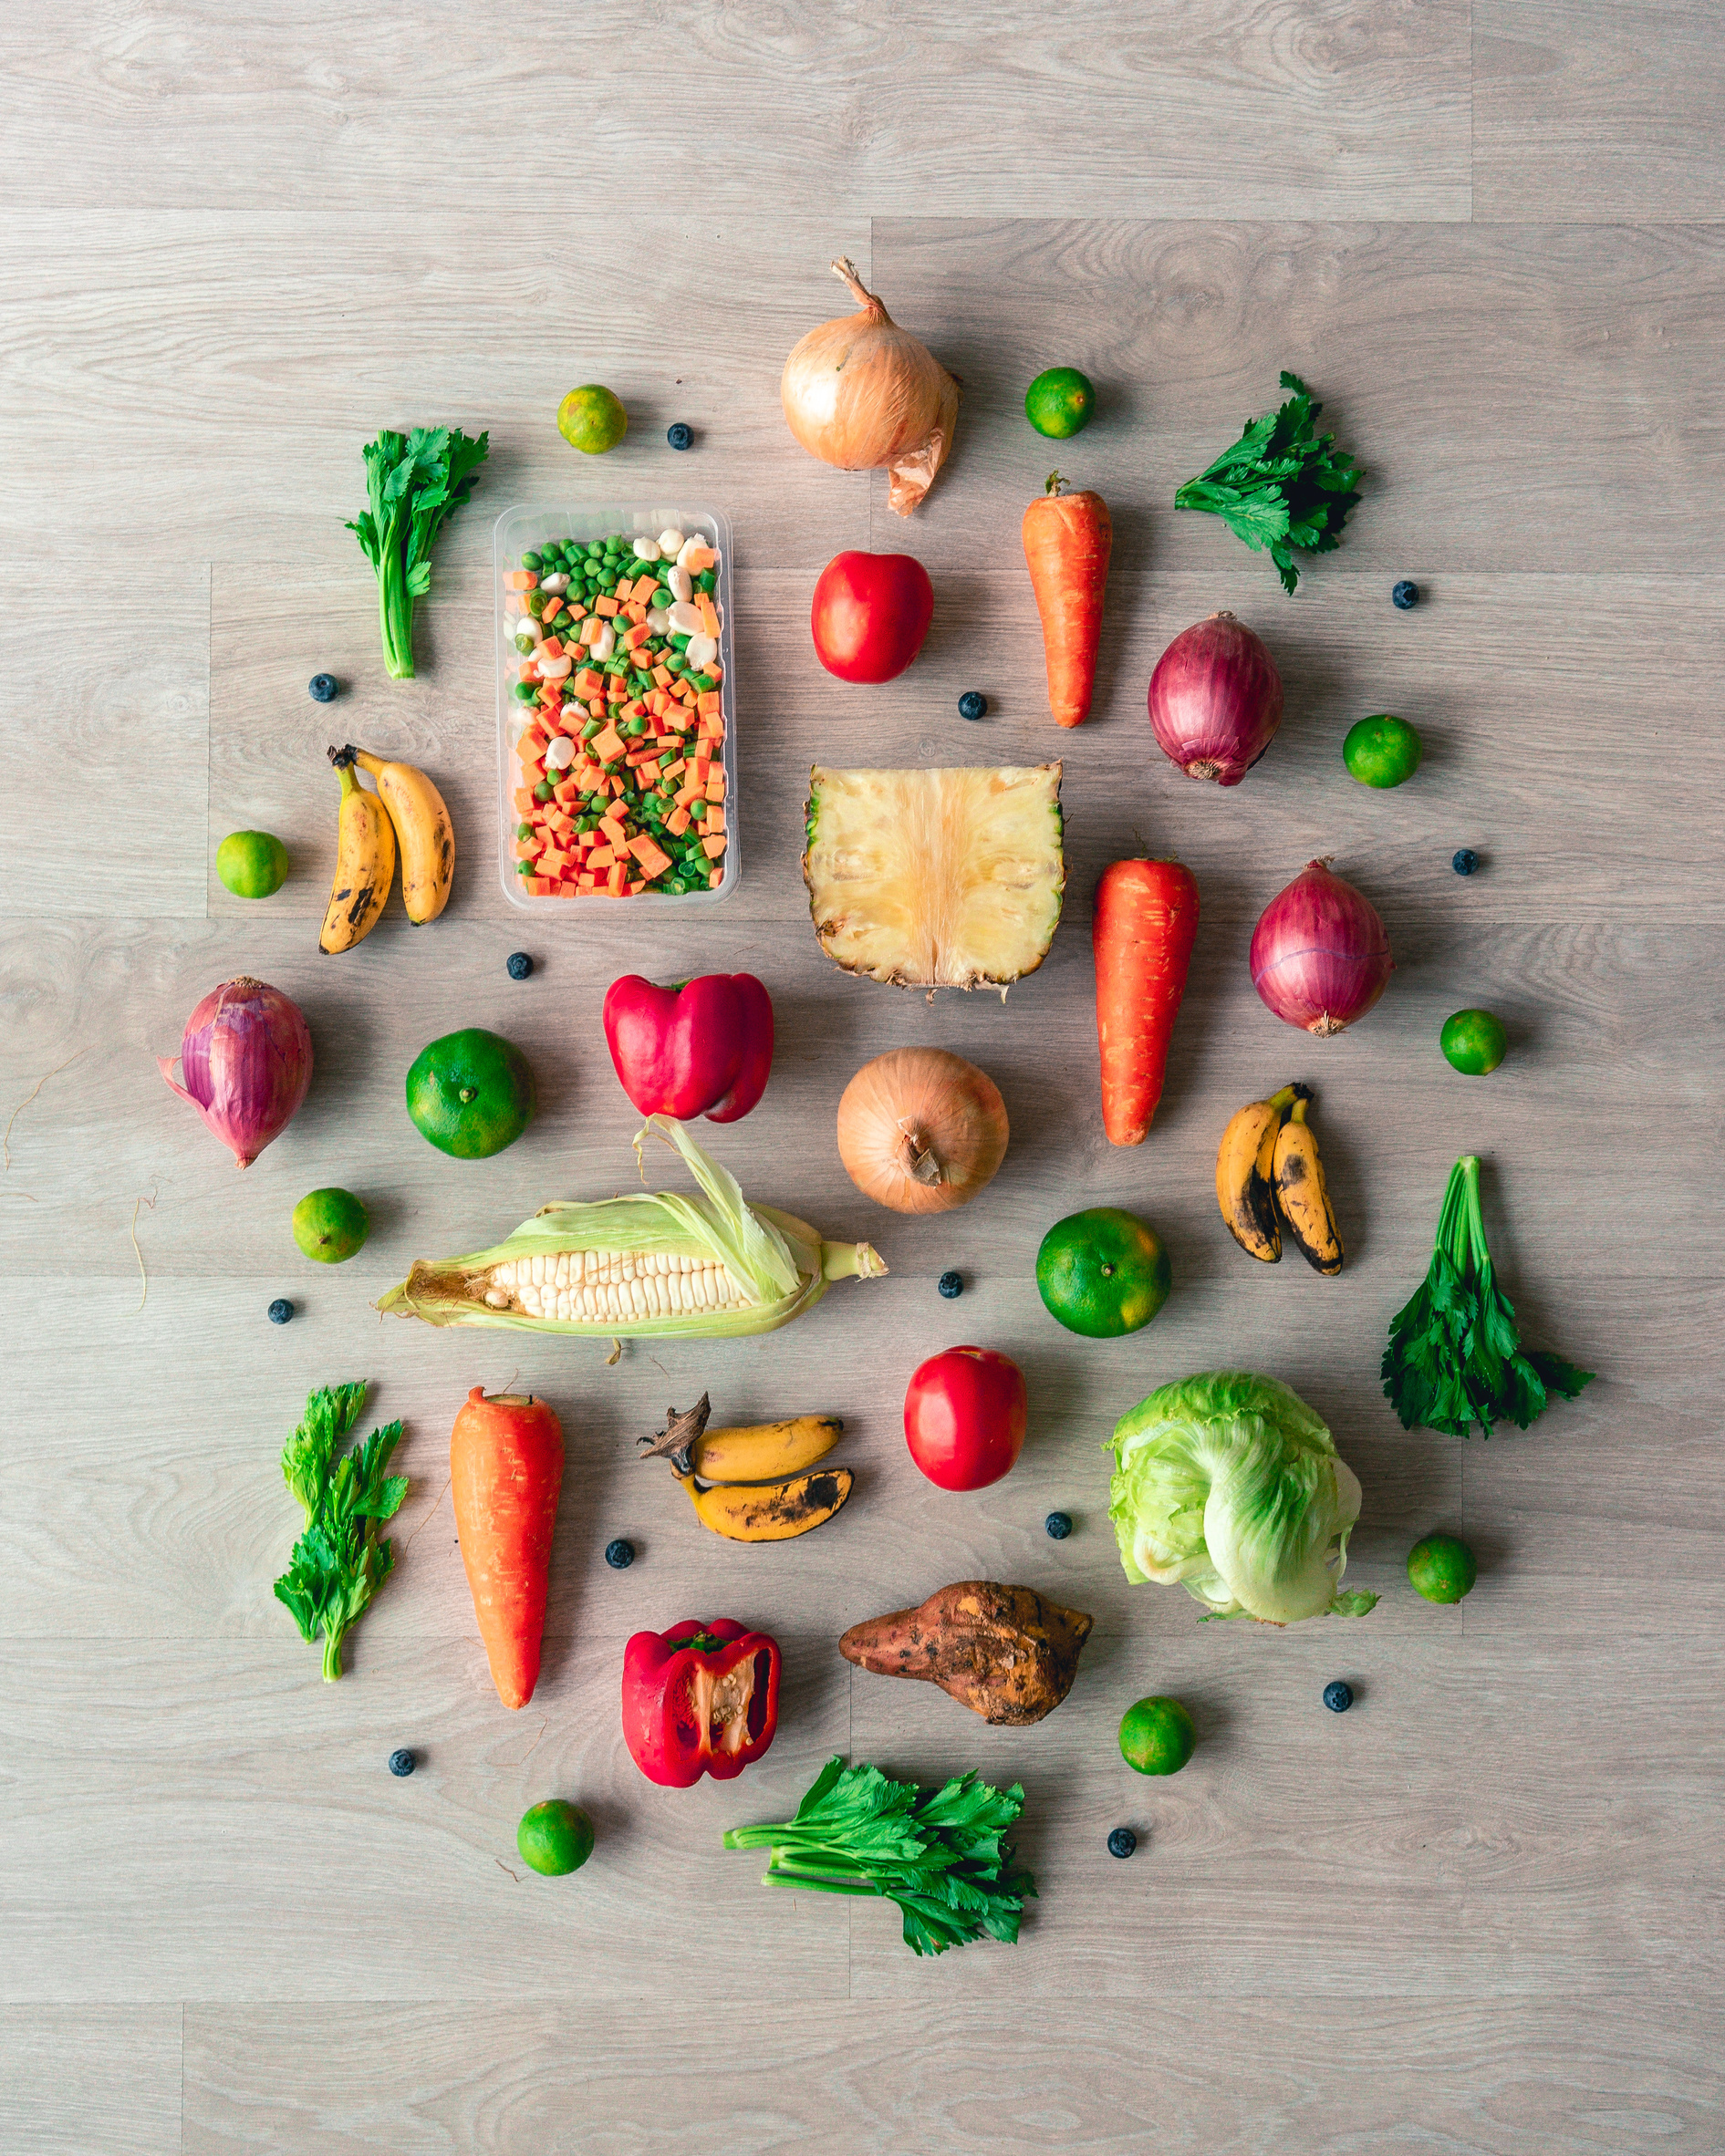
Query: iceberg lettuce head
x=1228, y=1484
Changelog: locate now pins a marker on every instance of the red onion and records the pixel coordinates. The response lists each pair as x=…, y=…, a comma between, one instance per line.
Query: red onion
x=1216, y=700
x=1319, y=956
x=246, y=1055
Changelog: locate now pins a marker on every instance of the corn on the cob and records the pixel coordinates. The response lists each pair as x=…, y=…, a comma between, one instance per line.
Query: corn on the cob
x=663, y=1265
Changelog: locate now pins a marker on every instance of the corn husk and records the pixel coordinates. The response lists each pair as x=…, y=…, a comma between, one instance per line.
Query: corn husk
x=778, y=1262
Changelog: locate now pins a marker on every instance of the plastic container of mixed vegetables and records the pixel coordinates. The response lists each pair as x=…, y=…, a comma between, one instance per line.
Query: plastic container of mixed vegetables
x=616, y=711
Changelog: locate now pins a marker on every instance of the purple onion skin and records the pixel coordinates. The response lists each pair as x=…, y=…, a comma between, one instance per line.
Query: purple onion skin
x=1319, y=957
x=246, y=1058
x=1216, y=700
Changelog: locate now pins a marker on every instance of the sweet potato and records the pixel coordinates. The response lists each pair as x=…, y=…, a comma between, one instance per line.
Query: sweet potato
x=1006, y=1653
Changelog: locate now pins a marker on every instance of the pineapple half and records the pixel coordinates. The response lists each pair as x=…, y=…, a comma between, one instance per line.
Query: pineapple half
x=936, y=878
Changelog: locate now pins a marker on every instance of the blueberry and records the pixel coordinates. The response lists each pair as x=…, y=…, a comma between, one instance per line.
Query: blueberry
x=323, y=689
x=619, y=1555
x=1464, y=861
x=972, y=704
x=1122, y=1842
x=1059, y=1524
x=1338, y=1697
x=401, y=1762
x=520, y=964
x=1405, y=594
x=950, y=1285
x=280, y=1310
x=680, y=437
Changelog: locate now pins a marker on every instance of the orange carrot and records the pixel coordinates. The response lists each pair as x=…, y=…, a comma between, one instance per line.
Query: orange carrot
x=1068, y=538
x=1142, y=929
x=506, y=1464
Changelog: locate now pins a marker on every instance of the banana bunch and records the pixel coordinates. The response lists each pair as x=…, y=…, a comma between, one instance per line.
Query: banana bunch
x=752, y=1484
x=405, y=812
x=1269, y=1176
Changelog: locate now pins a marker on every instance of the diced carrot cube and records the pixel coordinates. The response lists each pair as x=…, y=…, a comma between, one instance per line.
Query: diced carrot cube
x=623, y=590
x=552, y=647
x=646, y=850
x=715, y=786
x=527, y=669
x=586, y=681
x=585, y=882
x=519, y=580
x=617, y=690
x=709, y=614
x=524, y=801
x=607, y=747
x=698, y=557
x=615, y=881
x=670, y=770
x=612, y=829
x=606, y=605
x=539, y=886
x=677, y=823
x=707, y=699
x=715, y=817
x=661, y=674
x=553, y=609
x=647, y=772
x=532, y=770
x=712, y=847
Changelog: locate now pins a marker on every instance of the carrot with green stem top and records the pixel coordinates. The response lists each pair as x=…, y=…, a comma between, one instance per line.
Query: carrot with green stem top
x=1067, y=540
x=506, y=1464
x=1142, y=930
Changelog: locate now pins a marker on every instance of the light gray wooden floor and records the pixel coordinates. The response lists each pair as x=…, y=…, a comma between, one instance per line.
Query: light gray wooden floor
x=1481, y=1912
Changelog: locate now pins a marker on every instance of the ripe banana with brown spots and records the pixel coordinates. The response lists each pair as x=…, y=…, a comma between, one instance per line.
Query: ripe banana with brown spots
x=423, y=828
x=1245, y=1166
x=769, y=1511
x=1302, y=1196
x=365, y=864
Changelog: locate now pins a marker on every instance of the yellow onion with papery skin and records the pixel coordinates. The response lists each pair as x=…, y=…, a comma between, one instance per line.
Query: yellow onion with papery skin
x=861, y=393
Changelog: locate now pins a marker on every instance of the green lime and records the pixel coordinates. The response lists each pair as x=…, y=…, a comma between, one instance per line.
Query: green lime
x=1103, y=1273
x=1157, y=1736
x=470, y=1094
x=252, y=864
x=1381, y=751
x=1059, y=402
x=1441, y=1569
x=330, y=1225
x=1473, y=1041
x=555, y=1837
x=592, y=419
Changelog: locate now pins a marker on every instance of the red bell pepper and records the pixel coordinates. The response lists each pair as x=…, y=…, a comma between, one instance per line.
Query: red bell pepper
x=703, y=1048
x=702, y=1698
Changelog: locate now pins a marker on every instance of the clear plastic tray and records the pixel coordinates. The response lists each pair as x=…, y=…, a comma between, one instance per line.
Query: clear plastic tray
x=523, y=527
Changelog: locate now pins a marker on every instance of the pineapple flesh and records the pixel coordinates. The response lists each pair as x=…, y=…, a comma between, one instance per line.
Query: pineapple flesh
x=936, y=878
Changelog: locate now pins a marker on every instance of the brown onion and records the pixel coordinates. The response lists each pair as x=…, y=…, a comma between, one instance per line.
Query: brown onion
x=860, y=392
x=246, y=1057
x=921, y=1130
x=1319, y=957
x=1216, y=700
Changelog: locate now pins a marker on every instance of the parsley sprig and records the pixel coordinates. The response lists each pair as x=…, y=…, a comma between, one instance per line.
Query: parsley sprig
x=416, y=483
x=941, y=1855
x=1455, y=1355
x=1281, y=486
x=339, y=1563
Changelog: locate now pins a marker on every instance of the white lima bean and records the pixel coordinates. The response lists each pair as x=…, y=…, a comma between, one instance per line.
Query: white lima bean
x=670, y=545
x=682, y=584
x=687, y=548
x=701, y=651
x=657, y=620
x=556, y=583
x=685, y=619
x=604, y=643
x=560, y=753
x=646, y=550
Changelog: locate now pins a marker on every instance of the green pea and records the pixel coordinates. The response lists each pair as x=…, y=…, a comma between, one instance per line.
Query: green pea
x=634, y=727
x=524, y=867
x=660, y=596
x=543, y=790
x=524, y=829
x=526, y=692
x=595, y=550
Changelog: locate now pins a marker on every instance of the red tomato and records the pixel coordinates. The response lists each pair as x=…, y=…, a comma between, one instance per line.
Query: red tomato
x=964, y=1416
x=870, y=614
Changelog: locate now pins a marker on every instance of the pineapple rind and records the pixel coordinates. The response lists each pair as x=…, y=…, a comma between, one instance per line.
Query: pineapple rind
x=944, y=878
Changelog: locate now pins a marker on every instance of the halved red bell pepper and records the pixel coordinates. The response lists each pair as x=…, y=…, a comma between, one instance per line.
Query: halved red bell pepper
x=702, y=1048
x=702, y=1698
